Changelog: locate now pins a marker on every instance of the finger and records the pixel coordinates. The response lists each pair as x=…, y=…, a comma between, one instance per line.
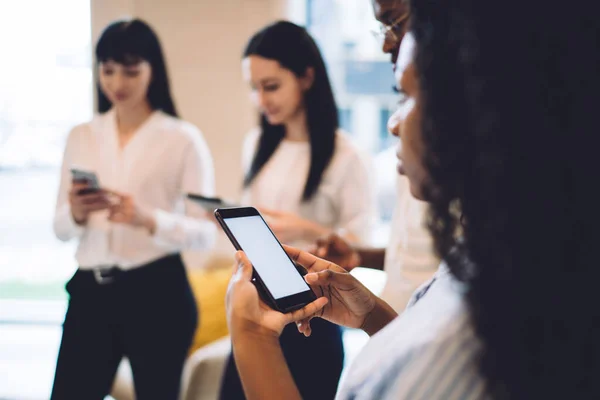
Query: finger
x=328, y=277
x=307, y=329
x=118, y=199
x=307, y=311
x=114, y=193
x=78, y=185
x=92, y=198
x=118, y=218
x=321, y=247
x=244, y=269
x=95, y=207
x=303, y=325
x=322, y=251
x=115, y=213
x=307, y=260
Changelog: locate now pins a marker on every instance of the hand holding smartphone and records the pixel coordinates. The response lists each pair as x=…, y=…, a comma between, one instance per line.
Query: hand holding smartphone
x=86, y=195
x=210, y=204
x=88, y=177
x=275, y=275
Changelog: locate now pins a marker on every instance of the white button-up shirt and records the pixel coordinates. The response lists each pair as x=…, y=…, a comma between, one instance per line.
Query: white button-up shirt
x=344, y=200
x=165, y=159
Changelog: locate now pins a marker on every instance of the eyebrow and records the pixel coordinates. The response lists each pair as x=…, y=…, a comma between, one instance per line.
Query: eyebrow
x=389, y=16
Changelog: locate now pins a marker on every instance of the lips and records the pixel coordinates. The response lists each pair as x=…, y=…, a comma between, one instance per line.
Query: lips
x=400, y=168
x=400, y=165
x=121, y=96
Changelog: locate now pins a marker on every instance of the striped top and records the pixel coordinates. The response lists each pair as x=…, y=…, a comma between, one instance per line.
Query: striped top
x=428, y=352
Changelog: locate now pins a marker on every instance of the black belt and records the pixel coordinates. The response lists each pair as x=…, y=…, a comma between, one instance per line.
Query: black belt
x=109, y=274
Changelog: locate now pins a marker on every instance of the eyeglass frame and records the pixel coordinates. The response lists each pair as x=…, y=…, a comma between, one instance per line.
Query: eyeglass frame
x=386, y=30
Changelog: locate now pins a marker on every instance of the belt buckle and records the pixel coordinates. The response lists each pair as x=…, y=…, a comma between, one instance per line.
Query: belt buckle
x=103, y=280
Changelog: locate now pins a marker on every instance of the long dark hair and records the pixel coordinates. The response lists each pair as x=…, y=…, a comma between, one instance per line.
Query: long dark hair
x=510, y=125
x=129, y=42
x=295, y=50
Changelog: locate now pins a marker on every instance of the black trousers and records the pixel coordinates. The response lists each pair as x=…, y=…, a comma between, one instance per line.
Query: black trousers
x=147, y=314
x=315, y=362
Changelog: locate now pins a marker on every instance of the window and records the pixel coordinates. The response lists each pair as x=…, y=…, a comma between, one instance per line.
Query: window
x=361, y=74
x=362, y=80
x=45, y=89
x=345, y=117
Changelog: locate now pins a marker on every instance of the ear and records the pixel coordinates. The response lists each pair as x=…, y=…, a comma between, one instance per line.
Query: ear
x=308, y=79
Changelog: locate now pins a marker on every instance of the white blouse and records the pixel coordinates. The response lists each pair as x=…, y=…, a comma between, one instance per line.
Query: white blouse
x=164, y=160
x=409, y=258
x=345, y=198
x=429, y=352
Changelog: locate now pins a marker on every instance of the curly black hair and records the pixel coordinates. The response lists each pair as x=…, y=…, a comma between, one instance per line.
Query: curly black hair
x=510, y=96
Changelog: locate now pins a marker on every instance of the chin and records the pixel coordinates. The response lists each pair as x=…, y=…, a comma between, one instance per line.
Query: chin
x=275, y=120
x=416, y=191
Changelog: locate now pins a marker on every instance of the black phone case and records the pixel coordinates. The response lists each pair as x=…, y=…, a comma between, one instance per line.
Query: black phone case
x=256, y=280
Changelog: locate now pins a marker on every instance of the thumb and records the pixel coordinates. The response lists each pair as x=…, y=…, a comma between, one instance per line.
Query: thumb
x=307, y=311
x=244, y=266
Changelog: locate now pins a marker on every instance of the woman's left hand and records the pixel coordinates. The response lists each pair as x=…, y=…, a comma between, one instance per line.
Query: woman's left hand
x=127, y=211
x=247, y=313
x=289, y=227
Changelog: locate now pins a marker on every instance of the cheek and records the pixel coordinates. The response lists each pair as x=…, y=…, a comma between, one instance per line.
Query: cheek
x=103, y=80
x=140, y=85
x=105, y=83
x=413, y=150
x=290, y=98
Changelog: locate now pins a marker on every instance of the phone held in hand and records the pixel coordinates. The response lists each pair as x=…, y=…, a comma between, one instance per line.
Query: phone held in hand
x=89, y=177
x=210, y=204
x=278, y=281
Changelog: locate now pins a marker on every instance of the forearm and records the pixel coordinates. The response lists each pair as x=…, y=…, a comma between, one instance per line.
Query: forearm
x=182, y=231
x=381, y=315
x=262, y=368
x=372, y=258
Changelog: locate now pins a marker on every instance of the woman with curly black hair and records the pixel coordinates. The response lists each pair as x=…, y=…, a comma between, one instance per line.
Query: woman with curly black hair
x=498, y=131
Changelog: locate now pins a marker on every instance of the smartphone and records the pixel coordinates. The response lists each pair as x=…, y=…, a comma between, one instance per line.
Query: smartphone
x=275, y=275
x=89, y=177
x=210, y=204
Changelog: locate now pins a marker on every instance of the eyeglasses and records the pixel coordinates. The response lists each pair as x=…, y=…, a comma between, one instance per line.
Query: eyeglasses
x=394, y=30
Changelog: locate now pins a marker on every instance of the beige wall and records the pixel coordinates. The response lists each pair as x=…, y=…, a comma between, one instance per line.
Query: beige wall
x=203, y=41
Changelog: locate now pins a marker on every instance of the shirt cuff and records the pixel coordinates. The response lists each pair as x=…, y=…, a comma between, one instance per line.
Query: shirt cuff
x=164, y=227
x=183, y=232
x=66, y=227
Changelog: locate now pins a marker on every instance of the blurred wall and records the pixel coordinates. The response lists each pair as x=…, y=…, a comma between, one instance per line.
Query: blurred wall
x=203, y=41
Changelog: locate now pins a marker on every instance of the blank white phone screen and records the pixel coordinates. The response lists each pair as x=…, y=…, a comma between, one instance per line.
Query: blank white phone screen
x=266, y=255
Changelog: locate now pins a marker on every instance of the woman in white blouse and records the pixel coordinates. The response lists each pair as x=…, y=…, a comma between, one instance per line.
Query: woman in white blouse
x=306, y=177
x=130, y=295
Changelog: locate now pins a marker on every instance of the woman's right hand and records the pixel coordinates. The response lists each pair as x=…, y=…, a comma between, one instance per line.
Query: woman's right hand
x=349, y=301
x=84, y=204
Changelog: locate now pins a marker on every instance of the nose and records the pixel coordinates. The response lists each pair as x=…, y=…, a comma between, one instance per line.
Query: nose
x=389, y=44
x=394, y=123
x=117, y=83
